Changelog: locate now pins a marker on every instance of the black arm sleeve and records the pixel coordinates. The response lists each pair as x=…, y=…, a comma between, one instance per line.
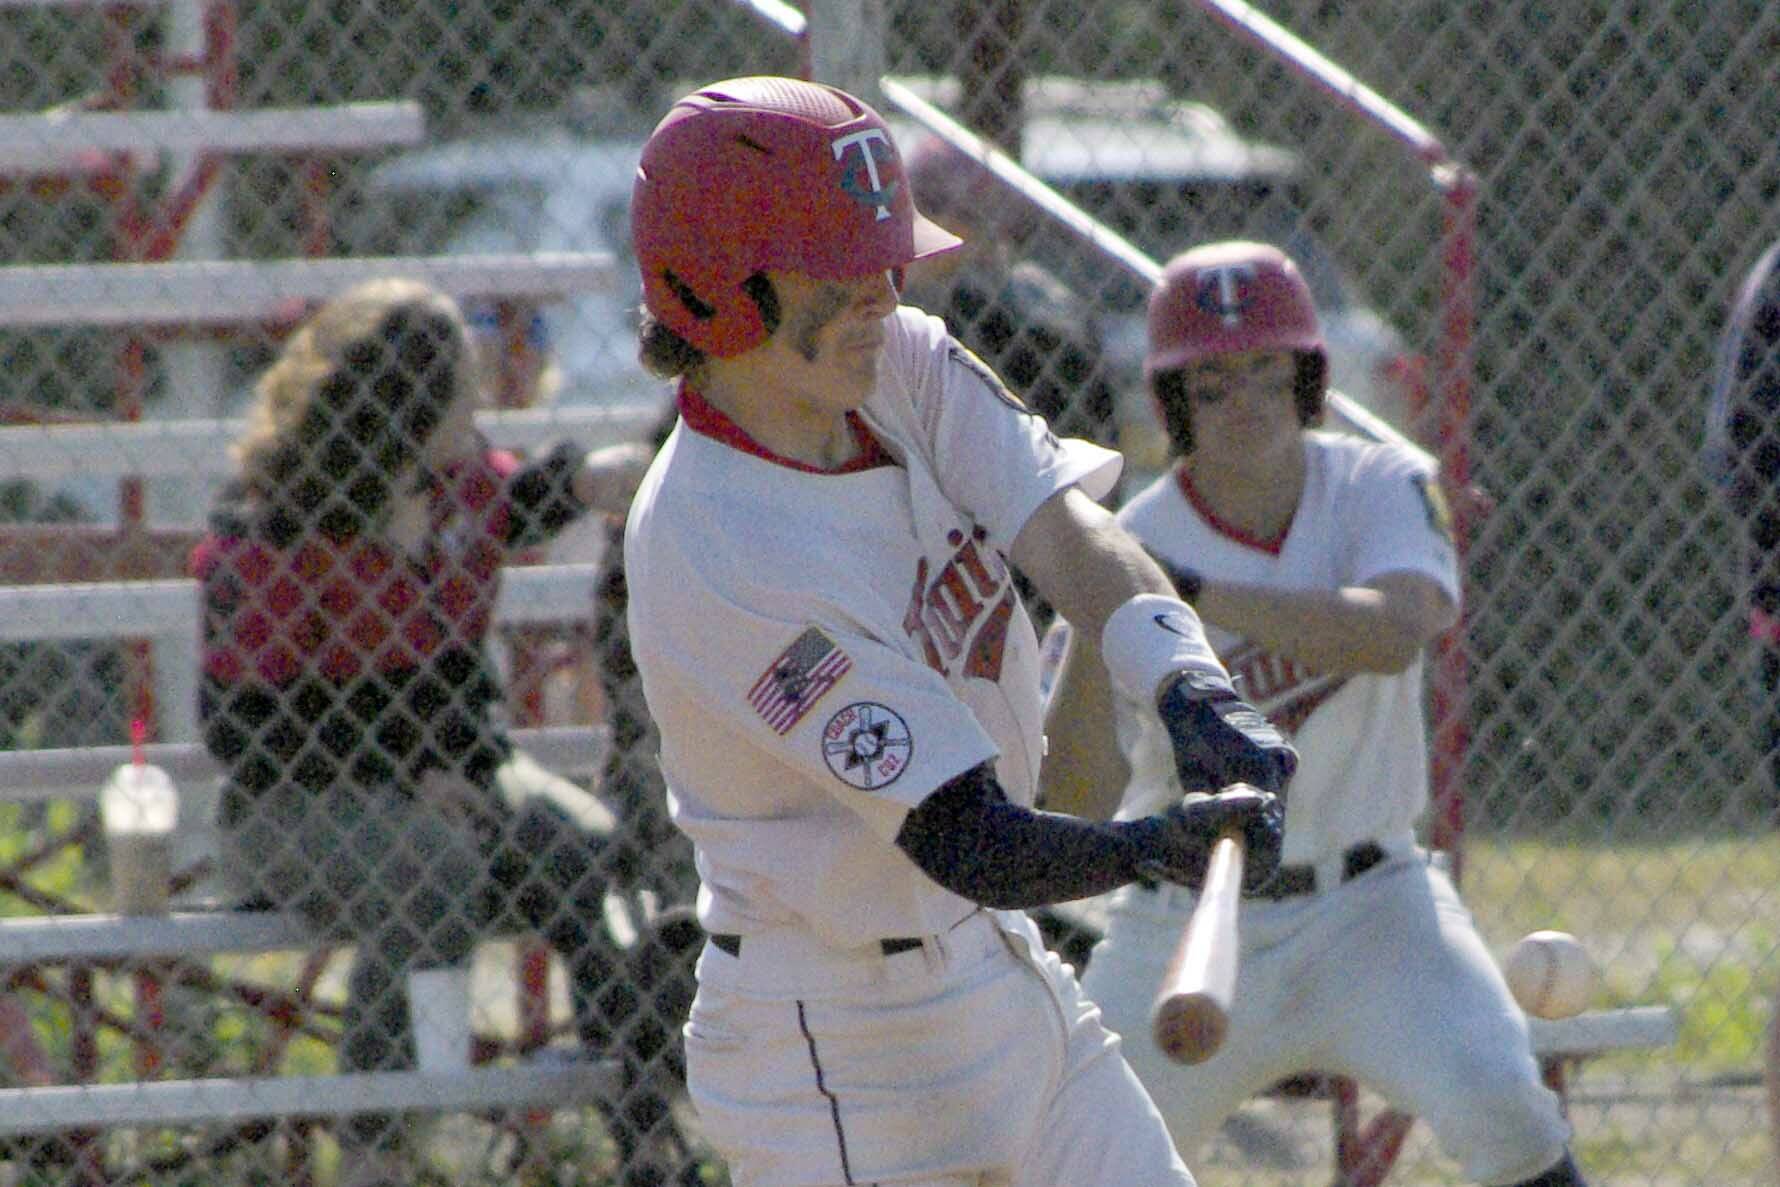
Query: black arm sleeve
x=972, y=840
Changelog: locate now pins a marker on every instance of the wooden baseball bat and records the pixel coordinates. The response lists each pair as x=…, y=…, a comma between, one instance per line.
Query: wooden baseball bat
x=1192, y=1010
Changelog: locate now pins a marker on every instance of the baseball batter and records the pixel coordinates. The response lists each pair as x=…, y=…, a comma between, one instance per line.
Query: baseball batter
x=845, y=682
x=1322, y=565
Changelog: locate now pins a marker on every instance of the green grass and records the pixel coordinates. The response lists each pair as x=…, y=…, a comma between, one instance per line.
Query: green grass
x=1693, y=924
x=67, y=873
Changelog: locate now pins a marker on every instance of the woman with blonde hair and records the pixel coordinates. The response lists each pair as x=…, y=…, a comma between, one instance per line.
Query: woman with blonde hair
x=350, y=575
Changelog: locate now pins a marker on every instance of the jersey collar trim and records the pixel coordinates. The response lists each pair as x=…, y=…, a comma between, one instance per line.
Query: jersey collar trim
x=701, y=416
x=1222, y=526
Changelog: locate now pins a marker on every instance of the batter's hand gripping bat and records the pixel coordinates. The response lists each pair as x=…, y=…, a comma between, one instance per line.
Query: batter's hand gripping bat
x=1192, y=1010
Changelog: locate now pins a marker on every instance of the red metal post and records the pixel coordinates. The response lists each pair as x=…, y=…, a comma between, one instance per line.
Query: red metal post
x=1453, y=361
x=151, y=1019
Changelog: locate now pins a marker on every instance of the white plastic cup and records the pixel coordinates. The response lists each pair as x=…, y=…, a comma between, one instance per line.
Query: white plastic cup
x=439, y=1007
x=139, y=807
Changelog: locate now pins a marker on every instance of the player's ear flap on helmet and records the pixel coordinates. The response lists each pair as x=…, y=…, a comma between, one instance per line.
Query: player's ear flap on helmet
x=759, y=289
x=700, y=309
x=665, y=353
x=1312, y=385
x=1168, y=392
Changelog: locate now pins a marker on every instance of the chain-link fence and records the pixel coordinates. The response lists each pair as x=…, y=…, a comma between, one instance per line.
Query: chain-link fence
x=340, y=716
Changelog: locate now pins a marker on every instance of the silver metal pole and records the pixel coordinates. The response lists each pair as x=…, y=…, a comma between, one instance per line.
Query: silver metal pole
x=847, y=45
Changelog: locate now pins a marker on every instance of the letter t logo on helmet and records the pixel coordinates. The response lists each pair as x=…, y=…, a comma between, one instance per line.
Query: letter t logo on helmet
x=863, y=141
x=766, y=174
x=1220, y=292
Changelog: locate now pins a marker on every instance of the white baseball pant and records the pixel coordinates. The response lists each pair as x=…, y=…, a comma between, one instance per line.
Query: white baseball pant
x=971, y=1061
x=1383, y=979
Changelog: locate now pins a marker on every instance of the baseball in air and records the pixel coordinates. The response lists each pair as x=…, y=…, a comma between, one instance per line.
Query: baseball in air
x=1550, y=974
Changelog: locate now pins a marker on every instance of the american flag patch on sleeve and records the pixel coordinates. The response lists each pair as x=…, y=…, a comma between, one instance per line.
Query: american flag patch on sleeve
x=793, y=683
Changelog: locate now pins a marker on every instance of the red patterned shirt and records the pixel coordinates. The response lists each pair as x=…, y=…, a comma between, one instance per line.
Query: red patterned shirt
x=332, y=653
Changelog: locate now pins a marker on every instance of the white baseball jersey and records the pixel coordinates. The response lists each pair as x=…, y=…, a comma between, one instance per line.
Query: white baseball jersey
x=1367, y=510
x=822, y=650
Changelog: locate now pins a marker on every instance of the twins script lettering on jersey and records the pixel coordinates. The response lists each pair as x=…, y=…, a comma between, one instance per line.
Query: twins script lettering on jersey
x=1284, y=691
x=962, y=613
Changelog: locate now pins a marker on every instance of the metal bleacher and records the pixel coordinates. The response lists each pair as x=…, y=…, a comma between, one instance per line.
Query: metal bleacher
x=106, y=145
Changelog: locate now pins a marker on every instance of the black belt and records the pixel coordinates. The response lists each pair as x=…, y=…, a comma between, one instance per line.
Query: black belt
x=1293, y=880
x=890, y=945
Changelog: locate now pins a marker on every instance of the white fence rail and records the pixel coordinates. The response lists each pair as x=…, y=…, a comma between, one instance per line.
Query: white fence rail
x=167, y=613
x=233, y=292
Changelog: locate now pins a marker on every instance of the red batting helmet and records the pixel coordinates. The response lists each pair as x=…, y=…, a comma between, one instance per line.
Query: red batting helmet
x=1228, y=298
x=758, y=174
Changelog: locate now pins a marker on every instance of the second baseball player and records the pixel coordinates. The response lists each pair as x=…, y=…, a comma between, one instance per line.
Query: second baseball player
x=1322, y=565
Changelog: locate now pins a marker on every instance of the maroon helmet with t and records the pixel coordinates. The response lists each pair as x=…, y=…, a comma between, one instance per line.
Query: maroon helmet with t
x=759, y=174
x=1229, y=298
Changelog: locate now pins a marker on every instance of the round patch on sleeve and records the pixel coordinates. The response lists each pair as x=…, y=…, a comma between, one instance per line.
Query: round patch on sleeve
x=867, y=745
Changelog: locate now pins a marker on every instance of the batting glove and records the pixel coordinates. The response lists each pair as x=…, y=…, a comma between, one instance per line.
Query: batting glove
x=1219, y=739
x=1181, y=839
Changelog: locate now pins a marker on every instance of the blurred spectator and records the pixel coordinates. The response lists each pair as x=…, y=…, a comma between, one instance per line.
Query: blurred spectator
x=516, y=361
x=631, y=777
x=631, y=781
x=350, y=575
x=1743, y=456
